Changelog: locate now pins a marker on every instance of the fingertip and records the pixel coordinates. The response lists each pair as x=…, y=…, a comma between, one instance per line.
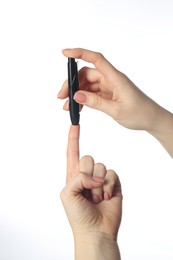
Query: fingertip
x=65, y=51
x=96, y=199
x=66, y=105
x=106, y=195
x=74, y=131
x=80, y=97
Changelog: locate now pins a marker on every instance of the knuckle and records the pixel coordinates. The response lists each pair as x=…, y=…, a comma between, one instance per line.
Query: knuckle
x=97, y=58
x=96, y=102
x=99, y=55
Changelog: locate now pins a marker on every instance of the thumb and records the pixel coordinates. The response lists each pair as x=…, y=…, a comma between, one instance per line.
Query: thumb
x=95, y=101
x=80, y=182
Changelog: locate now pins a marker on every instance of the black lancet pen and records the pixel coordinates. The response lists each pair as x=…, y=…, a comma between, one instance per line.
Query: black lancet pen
x=73, y=86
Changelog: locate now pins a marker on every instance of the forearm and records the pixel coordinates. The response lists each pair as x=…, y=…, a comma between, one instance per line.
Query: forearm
x=96, y=247
x=162, y=128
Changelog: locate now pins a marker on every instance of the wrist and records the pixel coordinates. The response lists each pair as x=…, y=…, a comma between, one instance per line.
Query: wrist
x=96, y=245
x=162, y=128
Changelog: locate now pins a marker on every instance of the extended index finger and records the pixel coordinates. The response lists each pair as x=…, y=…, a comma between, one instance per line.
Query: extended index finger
x=73, y=151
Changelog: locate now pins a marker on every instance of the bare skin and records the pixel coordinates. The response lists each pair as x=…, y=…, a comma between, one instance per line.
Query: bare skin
x=94, y=223
x=110, y=91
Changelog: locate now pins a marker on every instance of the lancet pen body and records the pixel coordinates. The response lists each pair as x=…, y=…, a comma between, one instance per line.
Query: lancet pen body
x=73, y=86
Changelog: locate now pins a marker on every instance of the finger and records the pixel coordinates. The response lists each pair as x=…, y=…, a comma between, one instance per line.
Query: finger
x=92, y=80
x=89, y=75
x=80, y=183
x=97, y=193
x=66, y=105
x=73, y=151
x=85, y=75
x=96, y=101
x=112, y=186
x=86, y=165
x=63, y=93
x=96, y=58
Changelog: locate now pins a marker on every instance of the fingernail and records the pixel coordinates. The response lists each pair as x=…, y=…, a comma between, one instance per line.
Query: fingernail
x=80, y=97
x=107, y=195
x=66, y=49
x=66, y=105
x=96, y=198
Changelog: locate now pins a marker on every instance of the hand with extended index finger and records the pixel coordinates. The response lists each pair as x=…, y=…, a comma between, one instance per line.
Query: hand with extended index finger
x=85, y=165
x=93, y=219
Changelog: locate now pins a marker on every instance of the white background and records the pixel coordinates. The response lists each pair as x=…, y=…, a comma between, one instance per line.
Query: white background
x=135, y=36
